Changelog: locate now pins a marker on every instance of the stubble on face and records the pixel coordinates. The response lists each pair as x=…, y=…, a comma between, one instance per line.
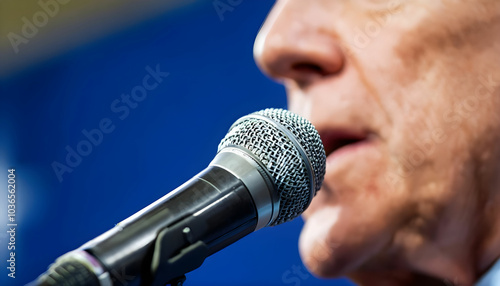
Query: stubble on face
x=411, y=202
x=439, y=54
x=456, y=44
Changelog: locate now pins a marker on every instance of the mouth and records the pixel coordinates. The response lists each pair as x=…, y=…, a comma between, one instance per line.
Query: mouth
x=339, y=143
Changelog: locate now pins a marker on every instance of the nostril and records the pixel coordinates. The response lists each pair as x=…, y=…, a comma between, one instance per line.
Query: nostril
x=308, y=68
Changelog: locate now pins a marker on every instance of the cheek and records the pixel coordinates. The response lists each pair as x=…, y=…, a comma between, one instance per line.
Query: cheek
x=432, y=133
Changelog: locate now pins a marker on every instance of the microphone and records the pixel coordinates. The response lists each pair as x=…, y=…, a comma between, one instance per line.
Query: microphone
x=267, y=169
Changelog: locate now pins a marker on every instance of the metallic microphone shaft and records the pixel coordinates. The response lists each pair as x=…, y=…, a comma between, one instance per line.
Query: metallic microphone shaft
x=266, y=172
x=214, y=208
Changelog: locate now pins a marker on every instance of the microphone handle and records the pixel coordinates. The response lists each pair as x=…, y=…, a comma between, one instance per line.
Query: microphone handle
x=173, y=235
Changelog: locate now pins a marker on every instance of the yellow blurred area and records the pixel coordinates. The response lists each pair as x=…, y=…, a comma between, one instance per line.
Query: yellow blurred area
x=13, y=10
x=34, y=30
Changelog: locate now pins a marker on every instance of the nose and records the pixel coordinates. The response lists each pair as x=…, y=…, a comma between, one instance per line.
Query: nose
x=294, y=44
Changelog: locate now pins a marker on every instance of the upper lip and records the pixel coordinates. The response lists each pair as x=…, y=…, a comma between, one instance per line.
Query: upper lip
x=334, y=139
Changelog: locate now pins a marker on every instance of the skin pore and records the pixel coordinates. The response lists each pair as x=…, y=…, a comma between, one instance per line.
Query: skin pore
x=415, y=87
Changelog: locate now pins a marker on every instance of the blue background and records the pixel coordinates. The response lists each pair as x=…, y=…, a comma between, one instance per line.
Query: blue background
x=169, y=137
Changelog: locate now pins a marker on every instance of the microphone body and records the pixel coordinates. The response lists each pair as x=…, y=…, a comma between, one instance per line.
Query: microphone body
x=264, y=174
x=214, y=208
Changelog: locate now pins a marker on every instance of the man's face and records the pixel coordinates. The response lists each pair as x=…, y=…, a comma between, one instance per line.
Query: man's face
x=405, y=95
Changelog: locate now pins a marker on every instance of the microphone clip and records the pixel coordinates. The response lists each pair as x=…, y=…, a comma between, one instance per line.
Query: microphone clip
x=176, y=252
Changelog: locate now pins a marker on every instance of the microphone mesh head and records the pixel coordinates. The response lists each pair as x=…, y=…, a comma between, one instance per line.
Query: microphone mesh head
x=297, y=174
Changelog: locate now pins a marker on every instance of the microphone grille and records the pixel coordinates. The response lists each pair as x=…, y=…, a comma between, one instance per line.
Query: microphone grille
x=290, y=148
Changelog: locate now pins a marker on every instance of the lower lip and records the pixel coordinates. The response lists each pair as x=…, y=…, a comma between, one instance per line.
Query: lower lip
x=349, y=150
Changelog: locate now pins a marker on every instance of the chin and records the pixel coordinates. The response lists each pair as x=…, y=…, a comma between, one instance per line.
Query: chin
x=333, y=244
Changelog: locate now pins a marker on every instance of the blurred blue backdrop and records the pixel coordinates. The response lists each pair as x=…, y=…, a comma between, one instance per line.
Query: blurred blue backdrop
x=167, y=138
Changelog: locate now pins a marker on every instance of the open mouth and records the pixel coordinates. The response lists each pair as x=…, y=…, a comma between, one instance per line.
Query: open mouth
x=336, y=141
